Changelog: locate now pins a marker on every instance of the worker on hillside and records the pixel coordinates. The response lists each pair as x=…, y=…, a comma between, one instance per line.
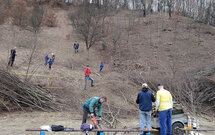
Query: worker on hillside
x=90, y=105
x=53, y=57
x=87, y=73
x=46, y=59
x=145, y=99
x=164, y=105
x=50, y=63
x=76, y=46
x=12, y=56
x=101, y=66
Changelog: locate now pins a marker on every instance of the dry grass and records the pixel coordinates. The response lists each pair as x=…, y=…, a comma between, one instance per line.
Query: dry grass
x=145, y=51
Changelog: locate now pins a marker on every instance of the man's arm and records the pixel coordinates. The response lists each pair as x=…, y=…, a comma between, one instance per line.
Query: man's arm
x=171, y=102
x=137, y=100
x=91, y=105
x=100, y=110
x=85, y=72
x=157, y=101
x=153, y=98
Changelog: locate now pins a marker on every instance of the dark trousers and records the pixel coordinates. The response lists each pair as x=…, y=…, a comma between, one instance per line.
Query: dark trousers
x=101, y=69
x=10, y=63
x=86, y=111
x=85, y=114
x=165, y=118
x=50, y=66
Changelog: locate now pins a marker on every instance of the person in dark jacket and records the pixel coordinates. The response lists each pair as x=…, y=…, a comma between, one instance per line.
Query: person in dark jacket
x=145, y=99
x=90, y=105
x=12, y=57
x=76, y=46
x=50, y=63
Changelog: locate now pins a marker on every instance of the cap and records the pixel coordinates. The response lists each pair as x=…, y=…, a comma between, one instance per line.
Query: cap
x=144, y=85
x=160, y=84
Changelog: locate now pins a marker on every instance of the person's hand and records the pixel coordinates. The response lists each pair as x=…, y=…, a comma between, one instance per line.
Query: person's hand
x=100, y=118
x=91, y=114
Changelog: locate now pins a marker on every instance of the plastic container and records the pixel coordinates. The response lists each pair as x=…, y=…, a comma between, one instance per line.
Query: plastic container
x=194, y=124
x=197, y=124
x=189, y=124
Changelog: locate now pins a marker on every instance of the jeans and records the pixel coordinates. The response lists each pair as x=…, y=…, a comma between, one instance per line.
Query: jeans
x=86, y=80
x=165, y=120
x=145, y=119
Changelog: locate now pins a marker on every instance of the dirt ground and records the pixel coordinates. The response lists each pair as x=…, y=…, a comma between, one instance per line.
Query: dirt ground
x=110, y=82
x=16, y=123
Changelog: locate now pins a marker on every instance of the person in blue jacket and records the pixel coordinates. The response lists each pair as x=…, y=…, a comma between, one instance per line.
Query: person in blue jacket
x=101, y=66
x=46, y=59
x=50, y=63
x=145, y=99
x=76, y=46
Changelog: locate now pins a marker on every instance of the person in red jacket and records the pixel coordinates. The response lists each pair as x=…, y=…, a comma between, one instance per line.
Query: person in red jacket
x=87, y=73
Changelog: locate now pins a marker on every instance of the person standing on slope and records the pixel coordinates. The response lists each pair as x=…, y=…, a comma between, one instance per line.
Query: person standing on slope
x=50, y=63
x=76, y=46
x=101, y=66
x=12, y=57
x=46, y=59
x=87, y=73
x=53, y=57
x=145, y=99
x=164, y=105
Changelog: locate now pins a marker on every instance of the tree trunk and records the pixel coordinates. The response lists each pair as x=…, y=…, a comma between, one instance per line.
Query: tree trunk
x=33, y=50
x=87, y=56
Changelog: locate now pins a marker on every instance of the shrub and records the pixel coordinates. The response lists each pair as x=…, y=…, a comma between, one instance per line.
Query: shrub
x=57, y=3
x=104, y=45
x=2, y=14
x=19, y=13
x=50, y=19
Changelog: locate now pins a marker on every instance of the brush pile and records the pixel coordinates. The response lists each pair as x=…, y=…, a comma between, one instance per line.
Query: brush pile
x=16, y=94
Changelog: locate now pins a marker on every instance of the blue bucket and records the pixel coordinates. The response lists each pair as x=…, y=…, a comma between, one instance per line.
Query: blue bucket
x=42, y=133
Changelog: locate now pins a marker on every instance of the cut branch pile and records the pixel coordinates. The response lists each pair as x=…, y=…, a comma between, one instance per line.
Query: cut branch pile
x=18, y=95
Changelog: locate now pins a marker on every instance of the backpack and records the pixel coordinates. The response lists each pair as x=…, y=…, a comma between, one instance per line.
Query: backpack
x=86, y=127
x=57, y=128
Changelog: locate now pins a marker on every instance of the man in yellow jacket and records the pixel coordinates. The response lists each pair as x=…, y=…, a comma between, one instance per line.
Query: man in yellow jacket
x=164, y=105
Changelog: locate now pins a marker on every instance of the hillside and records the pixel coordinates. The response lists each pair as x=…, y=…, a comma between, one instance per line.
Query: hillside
x=150, y=48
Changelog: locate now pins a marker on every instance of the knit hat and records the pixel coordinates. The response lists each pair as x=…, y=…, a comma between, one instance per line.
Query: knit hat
x=144, y=85
x=160, y=84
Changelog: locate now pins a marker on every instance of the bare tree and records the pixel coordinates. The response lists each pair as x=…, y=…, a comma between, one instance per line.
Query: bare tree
x=144, y=7
x=35, y=22
x=2, y=13
x=169, y=4
x=19, y=13
x=88, y=21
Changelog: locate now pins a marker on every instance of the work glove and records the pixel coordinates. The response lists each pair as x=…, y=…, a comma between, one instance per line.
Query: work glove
x=91, y=114
x=100, y=118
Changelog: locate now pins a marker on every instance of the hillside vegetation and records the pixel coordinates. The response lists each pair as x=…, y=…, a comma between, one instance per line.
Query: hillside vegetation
x=176, y=51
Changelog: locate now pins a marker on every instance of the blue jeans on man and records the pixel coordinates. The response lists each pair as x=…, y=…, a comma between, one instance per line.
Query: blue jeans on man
x=145, y=119
x=165, y=120
x=86, y=80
